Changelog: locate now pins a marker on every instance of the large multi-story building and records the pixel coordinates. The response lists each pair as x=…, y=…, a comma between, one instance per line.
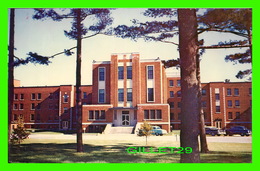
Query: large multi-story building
x=126, y=91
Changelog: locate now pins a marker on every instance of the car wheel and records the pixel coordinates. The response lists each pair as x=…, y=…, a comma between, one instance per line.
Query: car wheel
x=218, y=134
x=161, y=134
x=230, y=134
x=242, y=135
x=213, y=134
x=247, y=135
x=156, y=134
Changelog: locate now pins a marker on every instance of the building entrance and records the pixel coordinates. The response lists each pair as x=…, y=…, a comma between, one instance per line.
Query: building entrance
x=125, y=118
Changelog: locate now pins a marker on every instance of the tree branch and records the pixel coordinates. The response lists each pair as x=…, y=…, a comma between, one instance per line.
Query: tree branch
x=223, y=46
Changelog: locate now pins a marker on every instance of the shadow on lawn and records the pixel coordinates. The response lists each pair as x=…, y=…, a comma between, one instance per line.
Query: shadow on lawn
x=66, y=153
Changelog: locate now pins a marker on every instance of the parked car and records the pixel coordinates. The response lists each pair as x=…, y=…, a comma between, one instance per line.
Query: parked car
x=241, y=130
x=156, y=130
x=214, y=131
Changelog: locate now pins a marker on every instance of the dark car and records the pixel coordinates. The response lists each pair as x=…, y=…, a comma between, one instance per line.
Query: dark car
x=240, y=130
x=213, y=131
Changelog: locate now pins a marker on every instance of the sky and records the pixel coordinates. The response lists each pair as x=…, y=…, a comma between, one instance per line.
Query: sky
x=47, y=38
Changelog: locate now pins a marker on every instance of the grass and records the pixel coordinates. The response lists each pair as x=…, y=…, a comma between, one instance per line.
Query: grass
x=111, y=151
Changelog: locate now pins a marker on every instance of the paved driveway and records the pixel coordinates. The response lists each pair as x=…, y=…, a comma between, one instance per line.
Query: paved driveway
x=132, y=137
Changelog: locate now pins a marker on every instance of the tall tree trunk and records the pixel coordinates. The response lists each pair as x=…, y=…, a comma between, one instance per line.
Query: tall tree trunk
x=10, y=75
x=203, y=139
x=78, y=85
x=188, y=45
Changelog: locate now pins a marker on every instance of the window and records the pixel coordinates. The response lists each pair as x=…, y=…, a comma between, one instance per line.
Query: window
x=65, y=98
x=129, y=95
x=178, y=83
x=217, y=109
x=250, y=91
x=38, y=117
x=84, y=95
x=150, y=72
x=158, y=114
x=129, y=72
x=51, y=96
x=236, y=92
x=230, y=115
x=96, y=114
x=203, y=92
x=102, y=114
x=33, y=96
x=171, y=104
x=179, y=104
x=229, y=103
x=115, y=115
x=237, y=115
x=237, y=103
x=171, y=94
x=101, y=96
x=150, y=95
x=171, y=83
x=171, y=116
x=32, y=117
x=91, y=114
x=65, y=110
x=120, y=95
x=39, y=96
x=179, y=93
x=39, y=106
x=146, y=114
x=21, y=106
x=229, y=92
x=101, y=73
x=120, y=72
x=204, y=104
x=21, y=96
x=15, y=117
x=33, y=106
x=217, y=97
x=179, y=116
x=15, y=96
x=15, y=106
x=153, y=114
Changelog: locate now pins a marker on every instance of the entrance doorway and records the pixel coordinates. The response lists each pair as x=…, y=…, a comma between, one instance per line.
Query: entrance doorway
x=125, y=118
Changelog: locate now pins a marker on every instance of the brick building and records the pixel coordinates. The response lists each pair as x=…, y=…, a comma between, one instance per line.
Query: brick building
x=126, y=91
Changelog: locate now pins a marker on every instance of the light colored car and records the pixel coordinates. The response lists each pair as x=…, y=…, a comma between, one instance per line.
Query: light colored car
x=156, y=130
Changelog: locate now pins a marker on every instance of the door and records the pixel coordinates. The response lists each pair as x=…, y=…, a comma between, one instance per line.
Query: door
x=125, y=118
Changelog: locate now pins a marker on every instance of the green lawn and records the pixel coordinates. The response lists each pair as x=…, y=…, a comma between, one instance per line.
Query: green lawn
x=63, y=151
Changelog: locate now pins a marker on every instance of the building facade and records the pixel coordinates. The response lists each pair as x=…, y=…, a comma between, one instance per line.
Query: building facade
x=125, y=92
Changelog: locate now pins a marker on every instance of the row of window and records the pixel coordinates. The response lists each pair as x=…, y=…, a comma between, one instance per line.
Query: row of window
x=237, y=116
x=34, y=106
x=152, y=114
x=229, y=92
x=171, y=83
x=172, y=104
x=172, y=94
x=96, y=115
x=32, y=117
x=38, y=96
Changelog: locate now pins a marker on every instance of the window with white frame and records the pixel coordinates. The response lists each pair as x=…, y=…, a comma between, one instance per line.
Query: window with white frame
x=101, y=96
x=101, y=73
x=150, y=72
x=150, y=94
